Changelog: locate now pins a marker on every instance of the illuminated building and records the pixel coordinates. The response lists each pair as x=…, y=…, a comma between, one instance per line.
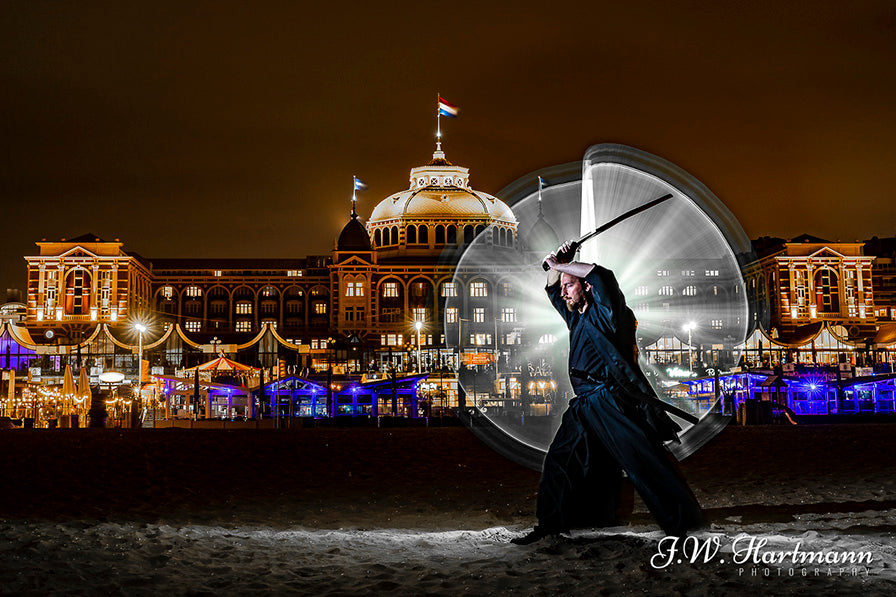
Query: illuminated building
x=823, y=301
x=354, y=309
x=77, y=283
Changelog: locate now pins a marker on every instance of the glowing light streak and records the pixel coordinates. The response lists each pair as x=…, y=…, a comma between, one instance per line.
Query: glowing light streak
x=685, y=242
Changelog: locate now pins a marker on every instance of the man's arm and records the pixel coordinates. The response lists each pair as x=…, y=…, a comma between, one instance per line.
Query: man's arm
x=561, y=262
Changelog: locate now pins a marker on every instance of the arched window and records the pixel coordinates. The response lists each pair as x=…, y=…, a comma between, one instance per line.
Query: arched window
x=378, y=237
x=479, y=229
x=77, y=292
x=394, y=235
x=690, y=291
x=468, y=234
x=503, y=241
x=423, y=235
x=411, y=235
x=827, y=291
x=451, y=235
x=496, y=238
x=510, y=238
x=667, y=291
x=440, y=235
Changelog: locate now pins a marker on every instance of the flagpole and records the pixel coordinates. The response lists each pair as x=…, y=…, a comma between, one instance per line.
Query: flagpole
x=438, y=124
x=354, y=190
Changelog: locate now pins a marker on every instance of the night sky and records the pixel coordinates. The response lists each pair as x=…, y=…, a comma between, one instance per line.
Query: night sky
x=214, y=129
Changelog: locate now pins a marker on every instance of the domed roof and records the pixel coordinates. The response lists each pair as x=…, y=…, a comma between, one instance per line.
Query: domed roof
x=354, y=236
x=542, y=237
x=441, y=190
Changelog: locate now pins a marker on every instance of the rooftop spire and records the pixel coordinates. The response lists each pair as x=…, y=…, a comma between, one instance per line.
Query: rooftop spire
x=358, y=185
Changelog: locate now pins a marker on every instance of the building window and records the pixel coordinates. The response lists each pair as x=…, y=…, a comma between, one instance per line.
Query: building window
x=390, y=315
x=395, y=339
x=449, y=289
x=641, y=291
x=712, y=273
x=506, y=289
x=716, y=324
x=390, y=290
x=690, y=291
x=419, y=314
x=451, y=315
x=508, y=314
x=293, y=273
x=167, y=292
x=244, y=308
x=481, y=339
x=348, y=313
x=642, y=308
x=687, y=273
x=479, y=314
x=320, y=308
x=270, y=322
x=218, y=273
x=78, y=290
x=50, y=295
x=194, y=291
x=667, y=291
x=354, y=289
x=193, y=326
x=478, y=289
x=244, y=326
x=662, y=273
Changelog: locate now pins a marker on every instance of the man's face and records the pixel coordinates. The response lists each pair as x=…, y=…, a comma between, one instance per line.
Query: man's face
x=573, y=292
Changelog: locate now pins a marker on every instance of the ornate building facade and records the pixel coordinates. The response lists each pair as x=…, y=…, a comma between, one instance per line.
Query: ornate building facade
x=360, y=301
x=358, y=306
x=809, y=280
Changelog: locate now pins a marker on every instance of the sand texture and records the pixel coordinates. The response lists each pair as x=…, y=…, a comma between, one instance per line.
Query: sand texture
x=419, y=511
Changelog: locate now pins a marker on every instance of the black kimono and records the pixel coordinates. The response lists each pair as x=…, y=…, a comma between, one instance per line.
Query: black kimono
x=609, y=426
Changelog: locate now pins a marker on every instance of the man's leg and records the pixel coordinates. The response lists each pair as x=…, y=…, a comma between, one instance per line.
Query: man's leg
x=662, y=488
x=562, y=473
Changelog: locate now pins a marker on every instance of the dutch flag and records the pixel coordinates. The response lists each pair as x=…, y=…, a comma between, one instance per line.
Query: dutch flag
x=446, y=109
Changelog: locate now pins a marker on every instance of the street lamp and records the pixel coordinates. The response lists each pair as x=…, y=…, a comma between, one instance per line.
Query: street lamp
x=418, y=325
x=140, y=329
x=689, y=327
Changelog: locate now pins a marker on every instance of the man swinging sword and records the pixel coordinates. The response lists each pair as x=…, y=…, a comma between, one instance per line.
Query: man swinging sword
x=614, y=423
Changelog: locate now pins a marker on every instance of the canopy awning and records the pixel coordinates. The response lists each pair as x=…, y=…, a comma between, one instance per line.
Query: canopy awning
x=222, y=363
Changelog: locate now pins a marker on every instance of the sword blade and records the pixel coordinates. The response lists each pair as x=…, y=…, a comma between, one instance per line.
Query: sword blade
x=625, y=216
x=574, y=246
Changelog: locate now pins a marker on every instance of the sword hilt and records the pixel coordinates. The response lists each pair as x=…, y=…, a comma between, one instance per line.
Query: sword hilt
x=573, y=247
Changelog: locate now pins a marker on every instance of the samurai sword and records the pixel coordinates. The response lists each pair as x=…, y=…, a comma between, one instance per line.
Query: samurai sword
x=574, y=245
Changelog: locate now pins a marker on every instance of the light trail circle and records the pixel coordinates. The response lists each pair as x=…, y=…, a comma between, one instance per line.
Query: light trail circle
x=678, y=263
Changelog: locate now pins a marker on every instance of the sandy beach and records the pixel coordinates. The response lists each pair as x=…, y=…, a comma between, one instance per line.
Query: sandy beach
x=339, y=511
